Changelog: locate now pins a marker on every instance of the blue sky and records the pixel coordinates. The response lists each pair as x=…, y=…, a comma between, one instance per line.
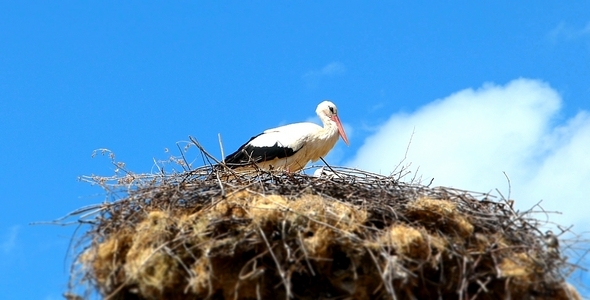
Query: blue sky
x=486, y=87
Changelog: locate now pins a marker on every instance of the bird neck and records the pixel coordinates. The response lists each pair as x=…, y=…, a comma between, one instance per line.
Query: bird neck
x=328, y=123
x=329, y=128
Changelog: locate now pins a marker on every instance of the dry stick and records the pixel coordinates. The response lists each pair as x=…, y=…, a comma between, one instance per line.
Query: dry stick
x=284, y=234
x=92, y=209
x=71, y=248
x=168, y=251
x=386, y=283
x=482, y=287
x=103, y=151
x=160, y=170
x=255, y=272
x=118, y=165
x=335, y=173
x=183, y=157
x=119, y=288
x=415, y=178
x=302, y=247
x=509, y=185
x=280, y=269
x=407, y=150
x=577, y=264
x=220, y=186
x=221, y=147
x=463, y=285
x=258, y=296
x=206, y=160
x=203, y=149
x=431, y=181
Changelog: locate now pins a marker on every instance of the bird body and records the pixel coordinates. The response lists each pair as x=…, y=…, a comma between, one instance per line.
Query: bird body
x=292, y=146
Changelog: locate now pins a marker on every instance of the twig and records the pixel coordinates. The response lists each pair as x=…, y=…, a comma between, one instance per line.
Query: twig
x=278, y=264
x=221, y=147
x=183, y=158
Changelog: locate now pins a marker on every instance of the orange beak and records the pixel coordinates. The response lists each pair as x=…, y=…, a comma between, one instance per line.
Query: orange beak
x=340, y=129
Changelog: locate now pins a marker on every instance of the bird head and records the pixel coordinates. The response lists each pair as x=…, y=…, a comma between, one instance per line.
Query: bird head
x=327, y=110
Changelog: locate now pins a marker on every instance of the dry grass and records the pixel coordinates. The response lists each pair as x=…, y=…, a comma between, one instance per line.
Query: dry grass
x=213, y=234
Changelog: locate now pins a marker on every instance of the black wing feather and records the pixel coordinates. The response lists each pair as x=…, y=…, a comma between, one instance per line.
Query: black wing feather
x=249, y=154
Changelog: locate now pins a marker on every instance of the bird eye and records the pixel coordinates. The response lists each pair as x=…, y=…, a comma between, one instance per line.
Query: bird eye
x=332, y=109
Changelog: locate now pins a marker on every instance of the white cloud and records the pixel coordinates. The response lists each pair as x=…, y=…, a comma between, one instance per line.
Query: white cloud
x=313, y=78
x=568, y=32
x=333, y=68
x=9, y=239
x=562, y=178
x=470, y=138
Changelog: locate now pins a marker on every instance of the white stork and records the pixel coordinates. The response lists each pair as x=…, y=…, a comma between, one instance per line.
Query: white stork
x=292, y=146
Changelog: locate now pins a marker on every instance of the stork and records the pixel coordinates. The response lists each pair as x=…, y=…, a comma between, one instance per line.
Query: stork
x=292, y=146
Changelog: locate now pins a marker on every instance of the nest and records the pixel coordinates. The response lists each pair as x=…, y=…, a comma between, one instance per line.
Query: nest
x=210, y=233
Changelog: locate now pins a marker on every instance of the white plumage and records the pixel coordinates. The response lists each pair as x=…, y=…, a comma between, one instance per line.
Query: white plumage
x=292, y=146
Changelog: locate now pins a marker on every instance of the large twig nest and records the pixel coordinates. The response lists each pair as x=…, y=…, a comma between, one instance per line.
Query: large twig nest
x=210, y=233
